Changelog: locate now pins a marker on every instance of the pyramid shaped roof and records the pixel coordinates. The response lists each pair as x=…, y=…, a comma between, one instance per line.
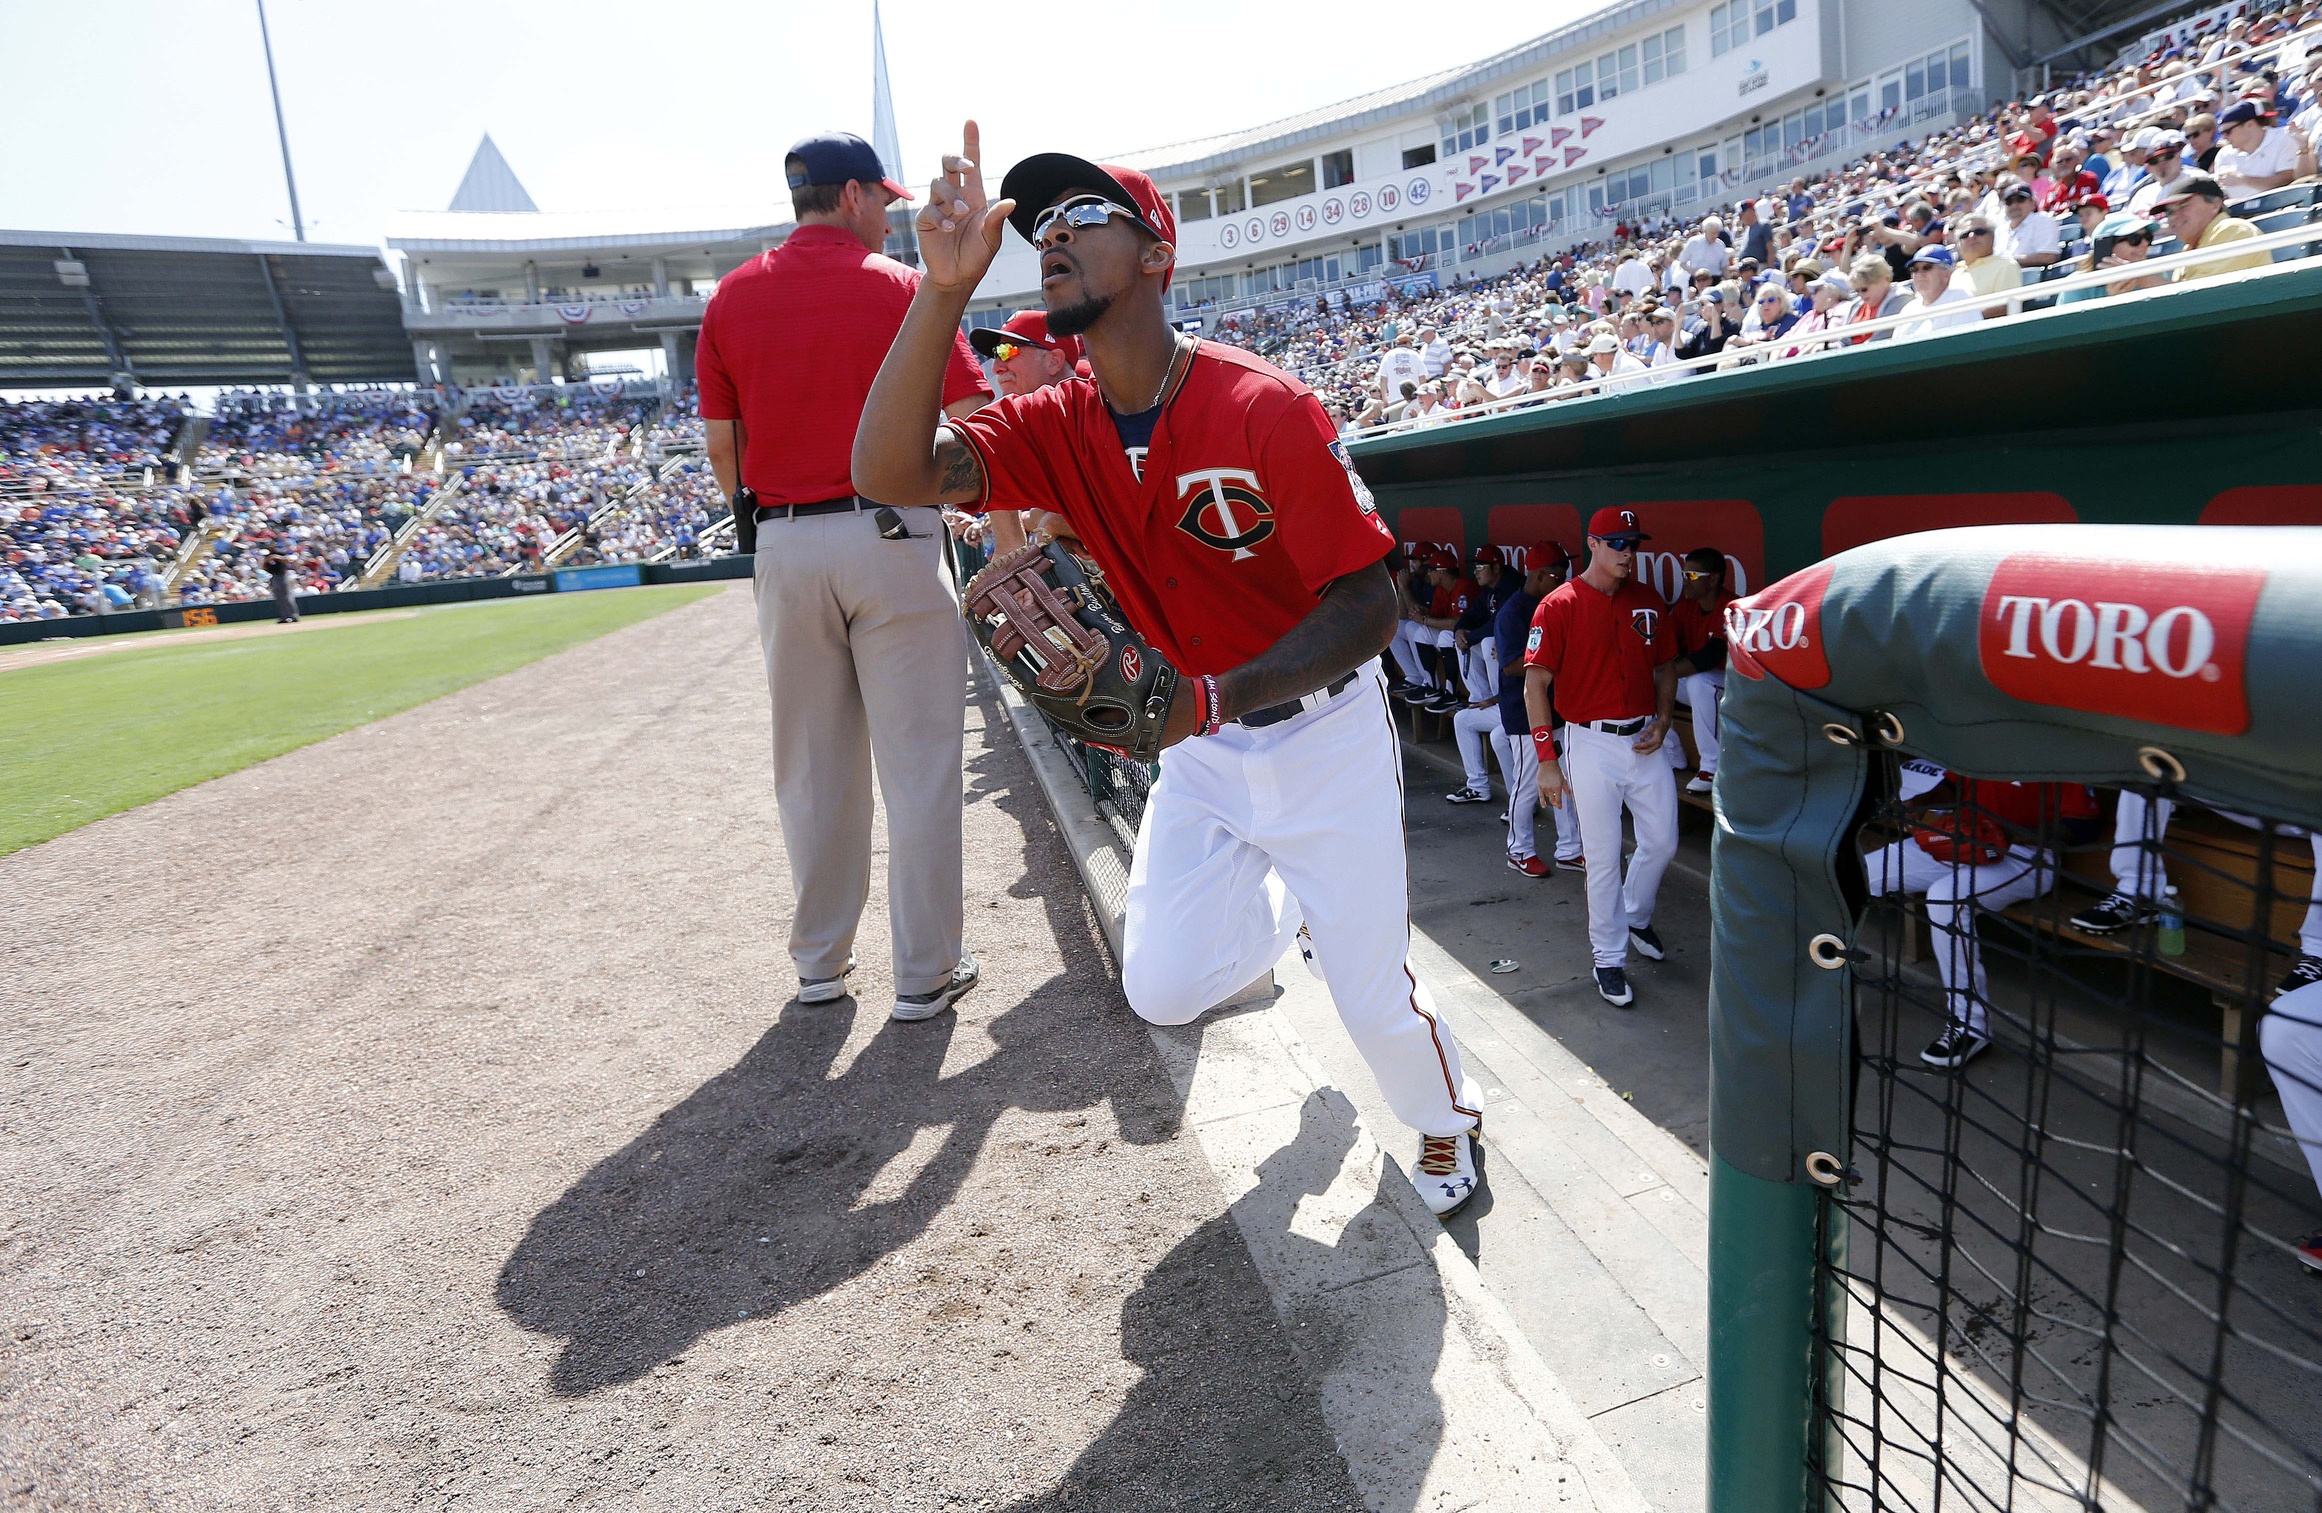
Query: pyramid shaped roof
x=491, y=185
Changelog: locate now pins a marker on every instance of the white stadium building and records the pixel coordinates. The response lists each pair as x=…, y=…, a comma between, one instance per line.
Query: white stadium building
x=1644, y=107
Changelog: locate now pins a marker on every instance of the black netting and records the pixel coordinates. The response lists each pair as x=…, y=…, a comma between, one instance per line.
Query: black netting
x=2068, y=1272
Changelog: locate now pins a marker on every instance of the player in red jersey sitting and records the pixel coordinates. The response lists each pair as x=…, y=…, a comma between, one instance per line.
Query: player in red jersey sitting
x=1211, y=489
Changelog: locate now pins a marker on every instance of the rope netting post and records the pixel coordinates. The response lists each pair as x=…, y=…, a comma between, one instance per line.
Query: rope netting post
x=2053, y=1277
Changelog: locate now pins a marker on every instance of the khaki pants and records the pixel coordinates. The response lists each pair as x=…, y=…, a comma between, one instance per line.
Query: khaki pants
x=866, y=662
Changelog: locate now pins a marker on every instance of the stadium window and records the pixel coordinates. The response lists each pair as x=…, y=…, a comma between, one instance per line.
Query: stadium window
x=1520, y=108
x=1673, y=50
x=1419, y=157
x=1858, y=106
x=1270, y=186
x=1193, y=205
x=1891, y=92
x=1229, y=198
x=1338, y=168
x=1616, y=74
x=1663, y=55
x=1469, y=128
x=1705, y=161
x=1959, y=65
x=1575, y=88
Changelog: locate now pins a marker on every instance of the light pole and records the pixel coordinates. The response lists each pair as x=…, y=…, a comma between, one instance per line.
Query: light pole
x=297, y=222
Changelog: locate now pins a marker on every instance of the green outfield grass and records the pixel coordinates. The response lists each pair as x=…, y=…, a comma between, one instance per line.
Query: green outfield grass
x=84, y=738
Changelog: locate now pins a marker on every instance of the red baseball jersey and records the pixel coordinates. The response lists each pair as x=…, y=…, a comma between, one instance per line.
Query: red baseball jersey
x=1224, y=532
x=1695, y=623
x=1601, y=648
x=1452, y=600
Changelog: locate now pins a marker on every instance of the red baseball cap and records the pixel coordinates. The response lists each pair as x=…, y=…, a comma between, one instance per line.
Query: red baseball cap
x=1026, y=328
x=1611, y=523
x=1541, y=555
x=1491, y=554
x=1044, y=178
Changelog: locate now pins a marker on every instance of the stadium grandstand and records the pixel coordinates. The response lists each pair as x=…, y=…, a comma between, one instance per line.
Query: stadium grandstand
x=1658, y=193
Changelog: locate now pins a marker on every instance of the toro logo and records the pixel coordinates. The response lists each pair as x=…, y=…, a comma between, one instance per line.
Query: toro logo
x=1779, y=631
x=1224, y=509
x=2166, y=644
x=1132, y=665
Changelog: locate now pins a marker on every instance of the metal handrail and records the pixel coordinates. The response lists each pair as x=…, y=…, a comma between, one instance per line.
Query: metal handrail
x=1843, y=338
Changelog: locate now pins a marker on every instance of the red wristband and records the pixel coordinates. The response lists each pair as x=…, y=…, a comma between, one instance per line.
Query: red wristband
x=1543, y=743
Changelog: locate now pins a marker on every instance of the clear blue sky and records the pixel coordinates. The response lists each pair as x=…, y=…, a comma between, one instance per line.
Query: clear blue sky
x=151, y=116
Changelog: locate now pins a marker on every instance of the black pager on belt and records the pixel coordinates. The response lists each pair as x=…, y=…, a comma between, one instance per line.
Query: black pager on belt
x=745, y=520
x=891, y=527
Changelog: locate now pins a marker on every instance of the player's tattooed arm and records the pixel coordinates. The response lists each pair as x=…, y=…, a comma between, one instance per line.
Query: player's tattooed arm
x=1351, y=623
x=959, y=472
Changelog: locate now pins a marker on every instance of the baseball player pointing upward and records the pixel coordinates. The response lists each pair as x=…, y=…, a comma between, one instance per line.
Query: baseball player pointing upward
x=1211, y=490
x=1602, y=648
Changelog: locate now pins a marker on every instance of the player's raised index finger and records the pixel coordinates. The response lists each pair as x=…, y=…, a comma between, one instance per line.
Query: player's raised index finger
x=971, y=145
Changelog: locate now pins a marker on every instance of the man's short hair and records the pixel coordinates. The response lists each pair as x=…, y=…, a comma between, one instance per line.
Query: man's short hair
x=1706, y=557
x=811, y=199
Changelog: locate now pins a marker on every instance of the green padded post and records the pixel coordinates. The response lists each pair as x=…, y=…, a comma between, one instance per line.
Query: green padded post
x=1761, y=1341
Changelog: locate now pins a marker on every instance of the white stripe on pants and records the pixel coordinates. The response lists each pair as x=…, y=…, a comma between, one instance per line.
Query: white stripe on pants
x=867, y=670
x=2291, y=1037
x=1954, y=893
x=1606, y=775
x=1247, y=831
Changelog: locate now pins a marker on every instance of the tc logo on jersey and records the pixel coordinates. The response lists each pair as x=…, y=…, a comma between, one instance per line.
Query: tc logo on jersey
x=1224, y=509
x=1645, y=622
x=2149, y=641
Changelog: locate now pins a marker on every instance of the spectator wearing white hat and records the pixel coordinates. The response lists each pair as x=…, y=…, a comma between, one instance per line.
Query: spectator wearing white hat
x=2256, y=155
x=1611, y=362
x=2164, y=167
x=2129, y=174
x=1931, y=294
x=1827, y=298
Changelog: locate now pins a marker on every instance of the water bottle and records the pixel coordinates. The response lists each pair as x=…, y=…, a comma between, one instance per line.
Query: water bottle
x=2172, y=941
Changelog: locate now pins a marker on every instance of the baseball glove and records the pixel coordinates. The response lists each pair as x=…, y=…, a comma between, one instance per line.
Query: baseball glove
x=1962, y=838
x=1044, y=612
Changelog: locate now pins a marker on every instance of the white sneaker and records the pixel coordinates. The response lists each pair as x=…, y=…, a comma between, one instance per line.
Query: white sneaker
x=1445, y=1173
x=927, y=1005
x=1703, y=782
x=825, y=989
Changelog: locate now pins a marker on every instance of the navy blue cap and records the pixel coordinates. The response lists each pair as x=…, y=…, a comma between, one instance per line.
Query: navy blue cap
x=839, y=157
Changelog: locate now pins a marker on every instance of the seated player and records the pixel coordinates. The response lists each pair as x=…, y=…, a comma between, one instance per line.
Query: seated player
x=1698, y=617
x=2291, y=1037
x=1974, y=855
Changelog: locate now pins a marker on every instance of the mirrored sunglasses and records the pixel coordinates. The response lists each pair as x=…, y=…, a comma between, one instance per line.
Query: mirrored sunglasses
x=1079, y=214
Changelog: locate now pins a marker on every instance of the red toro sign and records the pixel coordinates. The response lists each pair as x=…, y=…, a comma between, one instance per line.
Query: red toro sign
x=2167, y=644
x=1780, y=631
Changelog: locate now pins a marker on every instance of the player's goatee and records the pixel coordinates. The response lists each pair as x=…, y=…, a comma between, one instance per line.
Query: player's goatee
x=1074, y=319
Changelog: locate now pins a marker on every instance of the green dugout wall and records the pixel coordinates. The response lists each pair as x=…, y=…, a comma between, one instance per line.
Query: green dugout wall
x=2183, y=406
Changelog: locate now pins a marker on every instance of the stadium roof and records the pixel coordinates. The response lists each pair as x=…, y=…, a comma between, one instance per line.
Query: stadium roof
x=78, y=308
x=1397, y=101
x=581, y=230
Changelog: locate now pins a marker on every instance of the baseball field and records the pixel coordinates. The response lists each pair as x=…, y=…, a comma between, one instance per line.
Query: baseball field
x=91, y=727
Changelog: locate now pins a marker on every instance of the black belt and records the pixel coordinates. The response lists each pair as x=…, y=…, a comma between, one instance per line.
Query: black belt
x=1275, y=714
x=848, y=504
x=1618, y=727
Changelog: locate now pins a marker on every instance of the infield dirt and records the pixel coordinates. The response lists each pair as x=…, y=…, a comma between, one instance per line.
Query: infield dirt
x=417, y=1119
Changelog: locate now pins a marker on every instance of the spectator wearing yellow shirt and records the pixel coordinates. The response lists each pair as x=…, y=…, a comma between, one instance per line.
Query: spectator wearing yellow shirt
x=1981, y=269
x=2195, y=211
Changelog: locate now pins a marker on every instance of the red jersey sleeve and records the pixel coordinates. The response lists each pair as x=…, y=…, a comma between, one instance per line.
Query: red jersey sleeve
x=1544, y=647
x=962, y=377
x=716, y=385
x=1018, y=440
x=1328, y=524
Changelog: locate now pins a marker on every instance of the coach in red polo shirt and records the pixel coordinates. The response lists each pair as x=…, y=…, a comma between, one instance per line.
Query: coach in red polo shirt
x=857, y=618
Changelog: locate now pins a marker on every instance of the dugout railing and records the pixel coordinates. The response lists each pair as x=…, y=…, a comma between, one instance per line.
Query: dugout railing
x=2064, y=1274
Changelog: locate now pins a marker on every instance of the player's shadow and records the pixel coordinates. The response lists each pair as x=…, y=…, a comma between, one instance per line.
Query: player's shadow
x=757, y=1192
x=1221, y=1423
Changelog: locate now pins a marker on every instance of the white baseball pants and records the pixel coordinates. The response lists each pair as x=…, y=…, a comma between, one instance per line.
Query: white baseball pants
x=1472, y=727
x=2141, y=872
x=1247, y=832
x=2291, y=1037
x=1703, y=693
x=1954, y=893
x=1410, y=635
x=1524, y=805
x=1480, y=667
x=1607, y=775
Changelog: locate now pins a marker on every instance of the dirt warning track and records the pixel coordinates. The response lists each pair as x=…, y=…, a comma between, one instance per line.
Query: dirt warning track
x=418, y=1118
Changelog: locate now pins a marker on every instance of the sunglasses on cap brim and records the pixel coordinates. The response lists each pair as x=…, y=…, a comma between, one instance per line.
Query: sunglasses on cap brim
x=1076, y=214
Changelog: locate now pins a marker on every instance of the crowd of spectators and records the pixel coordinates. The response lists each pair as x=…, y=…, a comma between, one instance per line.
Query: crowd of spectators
x=2136, y=162
x=89, y=517
x=325, y=526
x=286, y=436
x=509, y=514
x=574, y=422
x=679, y=430
x=670, y=513
x=85, y=443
